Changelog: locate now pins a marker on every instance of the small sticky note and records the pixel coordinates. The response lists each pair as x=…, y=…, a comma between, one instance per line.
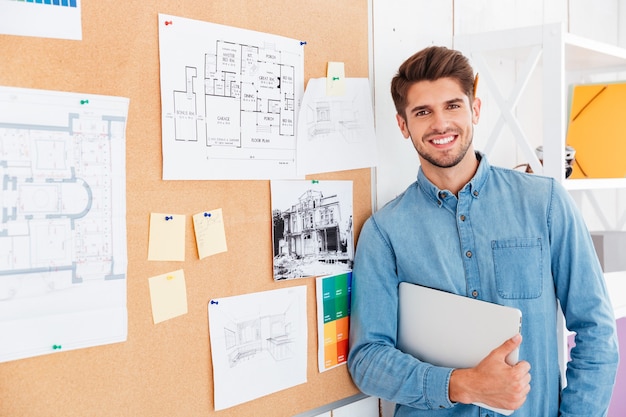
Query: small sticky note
x=210, y=236
x=167, y=237
x=335, y=79
x=168, y=295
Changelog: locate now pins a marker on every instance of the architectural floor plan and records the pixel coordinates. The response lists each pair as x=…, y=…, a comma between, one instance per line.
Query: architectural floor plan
x=230, y=100
x=63, y=232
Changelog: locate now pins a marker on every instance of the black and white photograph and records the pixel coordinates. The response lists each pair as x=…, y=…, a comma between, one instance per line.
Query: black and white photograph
x=311, y=228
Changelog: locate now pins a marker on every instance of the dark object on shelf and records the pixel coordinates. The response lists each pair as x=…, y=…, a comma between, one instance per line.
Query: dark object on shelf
x=570, y=154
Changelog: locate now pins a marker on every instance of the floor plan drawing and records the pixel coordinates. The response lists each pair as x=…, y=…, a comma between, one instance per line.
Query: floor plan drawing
x=230, y=99
x=63, y=230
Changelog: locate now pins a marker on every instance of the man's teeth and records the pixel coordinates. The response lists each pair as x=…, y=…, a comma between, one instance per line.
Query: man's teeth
x=443, y=141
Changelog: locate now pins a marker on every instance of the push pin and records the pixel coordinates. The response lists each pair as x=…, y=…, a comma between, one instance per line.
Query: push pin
x=214, y=302
x=207, y=214
x=84, y=102
x=169, y=218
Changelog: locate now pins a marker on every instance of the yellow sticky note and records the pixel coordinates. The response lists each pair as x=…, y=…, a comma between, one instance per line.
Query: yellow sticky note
x=210, y=236
x=168, y=295
x=335, y=79
x=167, y=237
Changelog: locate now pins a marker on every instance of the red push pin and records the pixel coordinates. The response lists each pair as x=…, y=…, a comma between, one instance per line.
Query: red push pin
x=168, y=22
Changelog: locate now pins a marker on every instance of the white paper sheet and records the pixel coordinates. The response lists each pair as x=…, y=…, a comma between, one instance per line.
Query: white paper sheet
x=230, y=99
x=258, y=344
x=46, y=18
x=336, y=132
x=63, y=228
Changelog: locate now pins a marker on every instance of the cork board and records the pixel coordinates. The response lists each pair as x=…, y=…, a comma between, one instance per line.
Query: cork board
x=165, y=369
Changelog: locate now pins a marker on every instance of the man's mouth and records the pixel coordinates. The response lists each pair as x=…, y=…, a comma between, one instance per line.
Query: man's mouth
x=443, y=141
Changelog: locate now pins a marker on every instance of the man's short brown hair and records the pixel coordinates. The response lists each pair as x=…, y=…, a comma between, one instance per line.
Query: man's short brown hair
x=431, y=64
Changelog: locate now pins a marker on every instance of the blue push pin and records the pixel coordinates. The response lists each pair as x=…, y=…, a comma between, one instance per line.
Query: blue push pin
x=302, y=43
x=169, y=218
x=214, y=302
x=207, y=214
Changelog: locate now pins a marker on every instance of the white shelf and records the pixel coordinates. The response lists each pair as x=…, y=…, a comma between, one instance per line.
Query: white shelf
x=595, y=184
x=587, y=55
x=616, y=285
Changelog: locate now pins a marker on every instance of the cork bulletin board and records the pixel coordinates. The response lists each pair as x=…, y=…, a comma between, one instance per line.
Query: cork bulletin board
x=165, y=369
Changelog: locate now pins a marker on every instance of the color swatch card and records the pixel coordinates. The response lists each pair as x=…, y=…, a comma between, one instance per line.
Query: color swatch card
x=167, y=237
x=168, y=295
x=210, y=236
x=333, y=318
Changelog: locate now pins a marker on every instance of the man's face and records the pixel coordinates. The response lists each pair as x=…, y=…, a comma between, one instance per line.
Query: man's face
x=439, y=121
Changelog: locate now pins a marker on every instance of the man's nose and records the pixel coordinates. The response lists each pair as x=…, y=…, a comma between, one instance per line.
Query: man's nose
x=439, y=122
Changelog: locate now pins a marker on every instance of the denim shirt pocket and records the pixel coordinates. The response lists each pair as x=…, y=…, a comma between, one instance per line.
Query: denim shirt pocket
x=517, y=266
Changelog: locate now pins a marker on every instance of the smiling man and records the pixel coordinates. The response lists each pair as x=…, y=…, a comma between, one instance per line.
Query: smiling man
x=488, y=233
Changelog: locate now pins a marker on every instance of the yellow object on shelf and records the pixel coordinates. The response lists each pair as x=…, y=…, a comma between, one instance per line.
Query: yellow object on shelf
x=597, y=130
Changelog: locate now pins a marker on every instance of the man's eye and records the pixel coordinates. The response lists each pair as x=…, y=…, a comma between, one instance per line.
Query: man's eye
x=421, y=113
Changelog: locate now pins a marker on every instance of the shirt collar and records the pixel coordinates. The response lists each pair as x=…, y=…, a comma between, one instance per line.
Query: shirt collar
x=473, y=187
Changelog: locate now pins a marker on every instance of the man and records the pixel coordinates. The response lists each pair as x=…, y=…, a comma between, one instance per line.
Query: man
x=488, y=233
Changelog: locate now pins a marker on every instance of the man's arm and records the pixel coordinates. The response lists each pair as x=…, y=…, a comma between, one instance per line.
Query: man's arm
x=377, y=367
x=581, y=290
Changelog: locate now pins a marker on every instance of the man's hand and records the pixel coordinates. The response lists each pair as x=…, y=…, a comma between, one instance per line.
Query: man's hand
x=493, y=381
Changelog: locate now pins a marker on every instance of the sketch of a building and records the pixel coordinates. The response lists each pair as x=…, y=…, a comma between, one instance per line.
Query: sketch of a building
x=250, y=337
x=315, y=232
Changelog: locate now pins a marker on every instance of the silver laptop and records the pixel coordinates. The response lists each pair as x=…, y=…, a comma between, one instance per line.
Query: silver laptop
x=451, y=330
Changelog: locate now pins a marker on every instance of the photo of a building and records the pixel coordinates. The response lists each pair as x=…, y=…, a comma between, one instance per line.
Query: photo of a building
x=312, y=231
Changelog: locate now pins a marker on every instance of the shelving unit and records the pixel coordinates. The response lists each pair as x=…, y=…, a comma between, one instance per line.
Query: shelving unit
x=563, y=59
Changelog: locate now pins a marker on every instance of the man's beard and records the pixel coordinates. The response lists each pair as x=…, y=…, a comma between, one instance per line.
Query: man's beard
x=447, y=162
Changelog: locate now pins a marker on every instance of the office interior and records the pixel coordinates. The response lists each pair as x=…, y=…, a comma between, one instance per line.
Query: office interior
x=395, y=30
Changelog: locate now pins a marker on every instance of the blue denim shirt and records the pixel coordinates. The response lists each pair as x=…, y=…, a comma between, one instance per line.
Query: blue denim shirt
x=511, y=238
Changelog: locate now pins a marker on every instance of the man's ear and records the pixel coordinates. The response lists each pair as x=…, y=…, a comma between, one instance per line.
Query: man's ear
x=402, y=125
x=476, y=110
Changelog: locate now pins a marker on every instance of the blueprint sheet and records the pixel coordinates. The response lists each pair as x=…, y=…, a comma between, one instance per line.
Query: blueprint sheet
x=63, y=230
x=229, y=101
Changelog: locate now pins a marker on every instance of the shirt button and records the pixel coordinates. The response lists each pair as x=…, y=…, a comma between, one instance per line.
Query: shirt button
x=468, y=253
x=475, y=193
x=474, y=293
x=443, y=194
x=462, y=217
